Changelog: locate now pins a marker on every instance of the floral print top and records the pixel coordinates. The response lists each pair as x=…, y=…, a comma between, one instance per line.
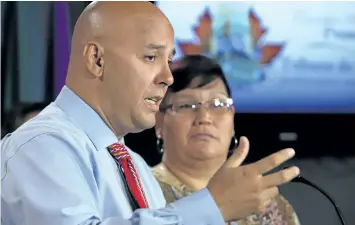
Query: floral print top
x=277, y=212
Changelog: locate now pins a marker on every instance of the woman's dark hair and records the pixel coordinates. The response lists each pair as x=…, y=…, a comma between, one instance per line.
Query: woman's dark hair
x=191, y=67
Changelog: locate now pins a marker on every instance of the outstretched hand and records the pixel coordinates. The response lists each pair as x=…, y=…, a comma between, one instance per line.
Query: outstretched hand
x=240, y=191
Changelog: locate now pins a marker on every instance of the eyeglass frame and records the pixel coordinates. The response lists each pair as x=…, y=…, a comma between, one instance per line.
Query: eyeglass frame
x=197, y=105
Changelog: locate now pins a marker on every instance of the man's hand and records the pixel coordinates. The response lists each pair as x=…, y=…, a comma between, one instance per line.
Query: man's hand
x=240, y=191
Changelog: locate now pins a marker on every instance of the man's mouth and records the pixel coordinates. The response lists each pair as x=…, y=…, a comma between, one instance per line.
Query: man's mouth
x=153, y=100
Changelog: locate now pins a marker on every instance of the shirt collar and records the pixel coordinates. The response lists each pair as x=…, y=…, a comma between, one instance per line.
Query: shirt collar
x=86, y=117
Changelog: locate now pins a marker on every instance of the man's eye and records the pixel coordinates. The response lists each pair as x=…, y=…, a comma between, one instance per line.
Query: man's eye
x=150, y=58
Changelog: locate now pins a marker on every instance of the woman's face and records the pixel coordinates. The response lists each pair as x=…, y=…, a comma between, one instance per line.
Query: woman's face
x=201, y=134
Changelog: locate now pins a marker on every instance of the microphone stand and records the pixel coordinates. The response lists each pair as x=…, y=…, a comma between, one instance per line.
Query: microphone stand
x=302, y=180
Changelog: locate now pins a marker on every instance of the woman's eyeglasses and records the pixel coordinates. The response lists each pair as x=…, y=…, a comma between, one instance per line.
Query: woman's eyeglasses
x=218, y=105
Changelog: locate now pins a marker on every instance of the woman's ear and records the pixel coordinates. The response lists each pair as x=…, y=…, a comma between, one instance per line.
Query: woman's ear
x=158, y=132
x=159, y=120
x=233, y=127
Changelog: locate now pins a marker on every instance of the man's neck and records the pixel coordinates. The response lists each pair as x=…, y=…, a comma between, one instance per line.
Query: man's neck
x=194, y=174
x=92, y=100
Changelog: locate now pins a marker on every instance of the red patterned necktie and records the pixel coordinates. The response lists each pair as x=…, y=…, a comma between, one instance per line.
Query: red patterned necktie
x=120, y=153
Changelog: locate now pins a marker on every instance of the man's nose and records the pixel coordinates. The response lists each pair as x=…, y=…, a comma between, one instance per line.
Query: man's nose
x=166, y=77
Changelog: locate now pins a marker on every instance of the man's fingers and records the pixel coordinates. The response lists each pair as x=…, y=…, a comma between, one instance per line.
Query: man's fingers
x=272, y=161
x=239, y=154
x=280, y=177
x=270, y=193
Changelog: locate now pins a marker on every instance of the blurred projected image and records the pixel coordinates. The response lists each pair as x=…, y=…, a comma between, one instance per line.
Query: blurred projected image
x=278, y=56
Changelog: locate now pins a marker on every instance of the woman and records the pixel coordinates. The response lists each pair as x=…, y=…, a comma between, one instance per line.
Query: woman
x=196, y=125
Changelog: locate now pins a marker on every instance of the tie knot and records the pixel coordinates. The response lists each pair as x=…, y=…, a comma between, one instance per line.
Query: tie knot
x=119, y=151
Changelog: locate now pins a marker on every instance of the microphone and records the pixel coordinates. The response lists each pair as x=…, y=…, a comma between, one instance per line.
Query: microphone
x=302, y=180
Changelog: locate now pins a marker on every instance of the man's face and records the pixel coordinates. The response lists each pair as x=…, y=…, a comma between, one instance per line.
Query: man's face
x=136, y=73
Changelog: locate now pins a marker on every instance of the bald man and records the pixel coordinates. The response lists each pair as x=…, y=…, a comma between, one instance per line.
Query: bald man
x=69, y=165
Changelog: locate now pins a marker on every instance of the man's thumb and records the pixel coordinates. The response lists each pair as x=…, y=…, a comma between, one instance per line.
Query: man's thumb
x=239, y=154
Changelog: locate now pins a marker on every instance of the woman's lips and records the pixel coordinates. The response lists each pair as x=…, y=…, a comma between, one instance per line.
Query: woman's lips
x=202, y=136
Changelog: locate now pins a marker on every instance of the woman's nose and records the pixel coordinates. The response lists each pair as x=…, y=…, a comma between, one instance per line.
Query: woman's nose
x=203, y=116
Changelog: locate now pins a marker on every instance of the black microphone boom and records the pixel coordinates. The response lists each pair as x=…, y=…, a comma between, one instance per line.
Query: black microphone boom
x=302, y=180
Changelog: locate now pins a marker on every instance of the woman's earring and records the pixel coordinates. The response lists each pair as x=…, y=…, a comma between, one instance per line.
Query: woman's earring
x=233, y=145
x=159, y=145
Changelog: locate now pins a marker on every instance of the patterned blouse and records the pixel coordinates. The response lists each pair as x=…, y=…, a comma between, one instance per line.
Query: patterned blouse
x=278, y=212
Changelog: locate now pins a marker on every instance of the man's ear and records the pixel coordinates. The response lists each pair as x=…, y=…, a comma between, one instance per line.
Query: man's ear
x=93, y=54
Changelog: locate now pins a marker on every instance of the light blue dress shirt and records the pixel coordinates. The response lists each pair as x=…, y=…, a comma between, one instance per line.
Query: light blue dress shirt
x=55, y=169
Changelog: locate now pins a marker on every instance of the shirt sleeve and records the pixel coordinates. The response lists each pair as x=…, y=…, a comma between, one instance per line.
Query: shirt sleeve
x=48, y=181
